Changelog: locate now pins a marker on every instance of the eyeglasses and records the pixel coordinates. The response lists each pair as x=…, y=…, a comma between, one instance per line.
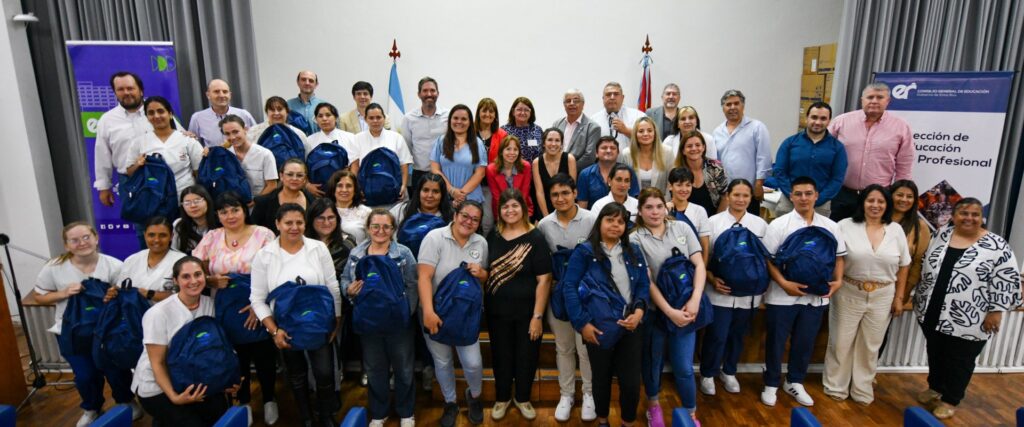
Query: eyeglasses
x=297, y=175
x=84, y=239
x=378, y=227
x=193, y=203
x=324, y=219
x=466, y=217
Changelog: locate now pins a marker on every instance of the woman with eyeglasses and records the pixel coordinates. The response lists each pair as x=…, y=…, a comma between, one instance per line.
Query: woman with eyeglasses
x=196, y=217
x=294, y=179
x=521, y=118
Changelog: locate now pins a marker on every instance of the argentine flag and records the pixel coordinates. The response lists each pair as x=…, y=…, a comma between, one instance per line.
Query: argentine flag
x=396, y=106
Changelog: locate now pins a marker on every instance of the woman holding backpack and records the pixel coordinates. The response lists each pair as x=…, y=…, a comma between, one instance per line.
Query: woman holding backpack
x=723, y=339
x=60, y=279
x=391, y=350
x=295, y=257
x=607, y=267
x=659, y=238
x=442, y=252
x=150, y=268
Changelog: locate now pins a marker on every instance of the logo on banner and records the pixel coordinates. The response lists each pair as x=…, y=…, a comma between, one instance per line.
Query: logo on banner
x=903, y=91
x=162, y=63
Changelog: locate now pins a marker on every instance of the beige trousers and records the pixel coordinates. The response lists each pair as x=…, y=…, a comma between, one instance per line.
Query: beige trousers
x=857, y=322
x=569, y=343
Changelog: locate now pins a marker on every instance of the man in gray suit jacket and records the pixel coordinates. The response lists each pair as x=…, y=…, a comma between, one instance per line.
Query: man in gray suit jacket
x=580, y=133
x=665, y=116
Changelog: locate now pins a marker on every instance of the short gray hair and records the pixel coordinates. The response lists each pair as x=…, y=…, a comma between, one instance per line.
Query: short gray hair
x=734, y=92
x=673, y=85
x=576, y=92
x=616, y=84
x=879, y=86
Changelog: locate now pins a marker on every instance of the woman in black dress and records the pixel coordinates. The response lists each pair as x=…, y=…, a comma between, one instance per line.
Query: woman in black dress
x=552, y=162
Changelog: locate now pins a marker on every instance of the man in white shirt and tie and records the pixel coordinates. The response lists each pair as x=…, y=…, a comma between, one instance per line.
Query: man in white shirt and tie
x=615, y=120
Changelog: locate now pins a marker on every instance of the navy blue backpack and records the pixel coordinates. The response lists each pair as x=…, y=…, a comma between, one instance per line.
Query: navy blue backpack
x=459, y=302
x=200, y=353
x=681, y=216
x=602, y=301
x=150, y=192
x=117, y=341
x=740, y=259
x=283, y=142
x=380, y=177
x=415, y=228
x=296, y=119
x=675, y=282
x=381, y=308
x=325, y=160
x=220, y=172
x=559, y=263
x=306, y=312
x=228, y=302
x=81, y=315
x=808, y=257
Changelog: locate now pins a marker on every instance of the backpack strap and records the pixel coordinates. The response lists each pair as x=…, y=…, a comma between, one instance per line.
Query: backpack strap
x=300, y=281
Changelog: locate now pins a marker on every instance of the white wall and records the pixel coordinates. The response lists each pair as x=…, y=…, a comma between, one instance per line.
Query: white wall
x=29, y=211
x=538, y=49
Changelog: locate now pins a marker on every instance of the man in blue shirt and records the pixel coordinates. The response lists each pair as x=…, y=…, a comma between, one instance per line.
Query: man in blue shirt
x=744, y=146
x=814, y=153
x=592, y=184
x=306, y=102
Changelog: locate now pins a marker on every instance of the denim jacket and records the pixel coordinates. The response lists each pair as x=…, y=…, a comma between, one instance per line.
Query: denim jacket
x=397, y=252
x=583, y=261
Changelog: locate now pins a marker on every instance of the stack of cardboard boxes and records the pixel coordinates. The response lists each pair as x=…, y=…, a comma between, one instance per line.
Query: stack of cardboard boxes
x=816, y=82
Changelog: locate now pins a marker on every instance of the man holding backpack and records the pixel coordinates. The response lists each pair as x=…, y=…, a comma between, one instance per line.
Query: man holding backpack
x=807, y=269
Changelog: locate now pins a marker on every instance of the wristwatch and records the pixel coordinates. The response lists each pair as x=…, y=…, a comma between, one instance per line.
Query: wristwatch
x=150, y=294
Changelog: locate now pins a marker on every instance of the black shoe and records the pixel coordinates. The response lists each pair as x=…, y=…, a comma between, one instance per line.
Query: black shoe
x=476, y=408
x=451, y=413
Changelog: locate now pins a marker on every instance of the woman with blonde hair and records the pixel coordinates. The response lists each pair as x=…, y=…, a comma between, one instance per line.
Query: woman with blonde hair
x=649, y=158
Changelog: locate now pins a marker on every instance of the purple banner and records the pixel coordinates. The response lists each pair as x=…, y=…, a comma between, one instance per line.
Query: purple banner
x=976, y=92
x=93, y=64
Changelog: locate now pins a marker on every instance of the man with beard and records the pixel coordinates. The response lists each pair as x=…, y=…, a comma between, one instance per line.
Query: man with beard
x=814, y=153
x=665, y=116
x=115, y=132
x=421, y=127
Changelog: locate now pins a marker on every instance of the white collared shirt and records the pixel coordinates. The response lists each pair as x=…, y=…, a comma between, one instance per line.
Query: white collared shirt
x=115, y=132
x=420, y=132
x=718, y=224
x=181, y=153
x=777, y=233
x=628, y=115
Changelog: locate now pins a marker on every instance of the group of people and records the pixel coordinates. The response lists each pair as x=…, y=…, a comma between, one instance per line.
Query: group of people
x=611, y=197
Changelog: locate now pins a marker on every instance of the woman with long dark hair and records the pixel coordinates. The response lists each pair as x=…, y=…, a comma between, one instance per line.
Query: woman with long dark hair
x=181, y=152
x=459, y=156
x=430, y=196
x=197, y=216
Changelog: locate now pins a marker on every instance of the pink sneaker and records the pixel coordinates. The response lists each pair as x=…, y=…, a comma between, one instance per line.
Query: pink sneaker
x=654, y=416
x=696, y=422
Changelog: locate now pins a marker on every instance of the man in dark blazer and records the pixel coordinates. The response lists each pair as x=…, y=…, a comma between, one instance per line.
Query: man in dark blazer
x=665, y=116
x=581, y=133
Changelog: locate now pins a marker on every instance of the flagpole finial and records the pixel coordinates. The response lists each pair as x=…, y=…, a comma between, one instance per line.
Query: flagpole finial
x=395, y=53
x=647, y=45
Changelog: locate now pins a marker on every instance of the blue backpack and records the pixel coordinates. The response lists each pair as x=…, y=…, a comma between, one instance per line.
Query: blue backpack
x=681, y=216
x=150, y=192
x=220, y=172
x=283, y=142
x=740, y=259
x=602, y=301
x=675, y=282
x=200, y=353
x=81, y=315
x=306, y=312
x=117, y=342
x=296, y=119
x=559, y=263
x=459, y=302
x=415, y=228
x=808, y=257
x=381, y=308
x=380, y=177
x=324, y=161
x=228, y=302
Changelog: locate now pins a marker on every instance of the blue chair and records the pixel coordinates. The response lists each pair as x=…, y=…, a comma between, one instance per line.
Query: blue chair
x=681, y=418
x=118, y=416
x=1020, y=417
x=7, y=416
x=802, y=417
x=356, y=417
x=916, y=416
x=237, y=416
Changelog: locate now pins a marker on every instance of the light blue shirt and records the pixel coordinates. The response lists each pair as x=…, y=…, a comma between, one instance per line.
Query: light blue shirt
x=460, y=167
x=307, y=109
x=206, y=124
x=747, y=153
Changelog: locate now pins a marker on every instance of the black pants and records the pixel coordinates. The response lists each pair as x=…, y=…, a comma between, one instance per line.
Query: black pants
x=513, y=356
x=264, y=354
x=322, y=361
x=200, y=414
x=844, y=204
x=950, y=364
x=623, y=362
x=754, y=207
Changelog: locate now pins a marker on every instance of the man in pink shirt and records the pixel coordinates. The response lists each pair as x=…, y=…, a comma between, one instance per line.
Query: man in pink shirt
x=879, y=148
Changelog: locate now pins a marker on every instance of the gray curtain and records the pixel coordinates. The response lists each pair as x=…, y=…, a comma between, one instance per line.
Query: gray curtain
x=940, y=35
x=212, y=39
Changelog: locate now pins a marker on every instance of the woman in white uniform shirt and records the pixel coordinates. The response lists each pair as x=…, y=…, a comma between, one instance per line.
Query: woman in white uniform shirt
x=289, y=256
x=327, y=120
x=150, y=268
x=277, y=114
x=60, y=279
x=181, y=153
x=152, y=380
x=259, y=163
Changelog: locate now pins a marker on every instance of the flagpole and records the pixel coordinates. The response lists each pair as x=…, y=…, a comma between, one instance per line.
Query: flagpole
x=394, y=54
x=644, y=102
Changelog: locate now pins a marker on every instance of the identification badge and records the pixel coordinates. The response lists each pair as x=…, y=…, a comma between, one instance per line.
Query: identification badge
x=531, y=142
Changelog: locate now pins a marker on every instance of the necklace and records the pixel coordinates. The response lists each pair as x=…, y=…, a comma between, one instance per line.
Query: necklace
x=234, y=243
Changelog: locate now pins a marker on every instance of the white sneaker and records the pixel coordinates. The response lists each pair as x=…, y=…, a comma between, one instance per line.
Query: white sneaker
x=136, y=410
x=768, y=395
x=797, y=391
x=377, y=423
x=87, y=418
x=408, y=422
x=707, y=386
x=564, y=409
x=589, y=411
x=731, y=384
x=270, y=413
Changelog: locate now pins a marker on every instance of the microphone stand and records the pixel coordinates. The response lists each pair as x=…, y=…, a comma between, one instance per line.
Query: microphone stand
x=39, y=381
